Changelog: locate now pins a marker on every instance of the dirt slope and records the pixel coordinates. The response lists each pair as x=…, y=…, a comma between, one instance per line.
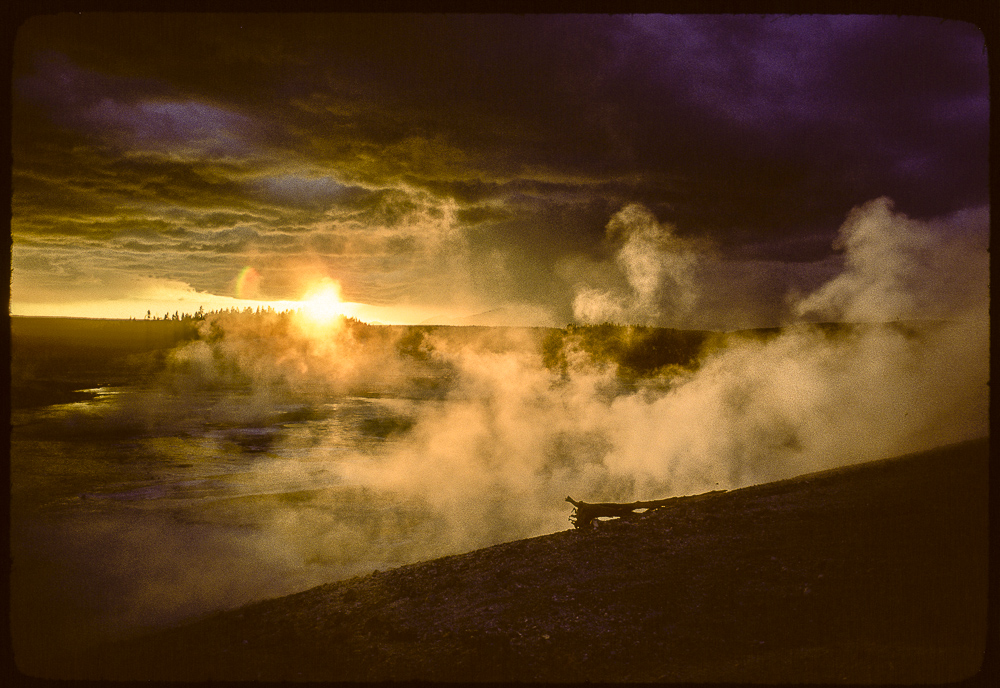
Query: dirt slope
x=873, y=573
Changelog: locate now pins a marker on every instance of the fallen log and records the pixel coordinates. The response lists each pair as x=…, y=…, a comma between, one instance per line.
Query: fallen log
x=585, y=512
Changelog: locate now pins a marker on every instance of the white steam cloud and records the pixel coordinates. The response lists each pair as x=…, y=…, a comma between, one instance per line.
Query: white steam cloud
x=659, y=270
x=898, y=268
x=511, y=442
x=500, y=445
x=478, y=441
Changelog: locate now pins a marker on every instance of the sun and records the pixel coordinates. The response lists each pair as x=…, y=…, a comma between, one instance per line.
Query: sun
x=322, y=303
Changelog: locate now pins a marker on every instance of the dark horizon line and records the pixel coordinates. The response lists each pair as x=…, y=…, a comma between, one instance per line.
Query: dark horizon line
x=897, y=321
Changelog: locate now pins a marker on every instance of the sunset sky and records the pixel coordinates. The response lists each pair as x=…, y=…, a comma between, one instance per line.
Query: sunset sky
x=485, y=168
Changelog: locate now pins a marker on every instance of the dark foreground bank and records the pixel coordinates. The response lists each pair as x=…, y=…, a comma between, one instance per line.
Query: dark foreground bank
x=873, y=573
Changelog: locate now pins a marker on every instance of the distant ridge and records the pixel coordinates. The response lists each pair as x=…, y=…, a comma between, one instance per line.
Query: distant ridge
x=496, y=317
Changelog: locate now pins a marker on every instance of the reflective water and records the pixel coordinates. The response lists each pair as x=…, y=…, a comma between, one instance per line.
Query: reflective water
x=137, y=509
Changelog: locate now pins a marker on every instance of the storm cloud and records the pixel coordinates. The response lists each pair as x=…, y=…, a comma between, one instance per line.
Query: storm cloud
x=476, y=162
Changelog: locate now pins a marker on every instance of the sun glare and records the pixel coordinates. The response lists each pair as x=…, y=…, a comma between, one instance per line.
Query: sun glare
x=322, y=303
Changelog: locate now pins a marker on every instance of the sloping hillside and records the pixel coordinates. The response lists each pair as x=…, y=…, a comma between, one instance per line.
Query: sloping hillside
x=872, y=573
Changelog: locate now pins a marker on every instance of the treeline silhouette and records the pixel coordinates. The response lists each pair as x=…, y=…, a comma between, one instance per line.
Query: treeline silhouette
x=637, y=351
x=201, y=313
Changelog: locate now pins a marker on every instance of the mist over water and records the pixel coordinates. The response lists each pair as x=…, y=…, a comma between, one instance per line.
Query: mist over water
x=274, y=454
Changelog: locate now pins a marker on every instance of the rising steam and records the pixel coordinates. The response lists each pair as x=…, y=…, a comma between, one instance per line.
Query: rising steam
x=507, y=438
x=479, y=440
x=896, y=268
x=658, y=267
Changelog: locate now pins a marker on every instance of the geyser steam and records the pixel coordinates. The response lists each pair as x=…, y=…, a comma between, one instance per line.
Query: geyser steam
x=476, y=440
x=659, y=269
x=509, y=437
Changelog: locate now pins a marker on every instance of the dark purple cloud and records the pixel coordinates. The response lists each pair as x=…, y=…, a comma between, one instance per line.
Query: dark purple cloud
x=526, y=133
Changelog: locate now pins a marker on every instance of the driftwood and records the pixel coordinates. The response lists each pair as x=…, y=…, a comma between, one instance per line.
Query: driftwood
x=584, y=512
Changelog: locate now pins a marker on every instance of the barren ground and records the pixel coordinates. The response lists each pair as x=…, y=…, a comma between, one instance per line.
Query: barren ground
x=874, y=573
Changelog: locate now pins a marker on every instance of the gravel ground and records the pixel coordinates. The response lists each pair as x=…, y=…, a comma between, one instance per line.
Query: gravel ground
x=869, y=574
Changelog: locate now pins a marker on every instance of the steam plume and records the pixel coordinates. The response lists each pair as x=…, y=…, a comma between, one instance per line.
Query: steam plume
x=470, y=439
x=659, y=269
